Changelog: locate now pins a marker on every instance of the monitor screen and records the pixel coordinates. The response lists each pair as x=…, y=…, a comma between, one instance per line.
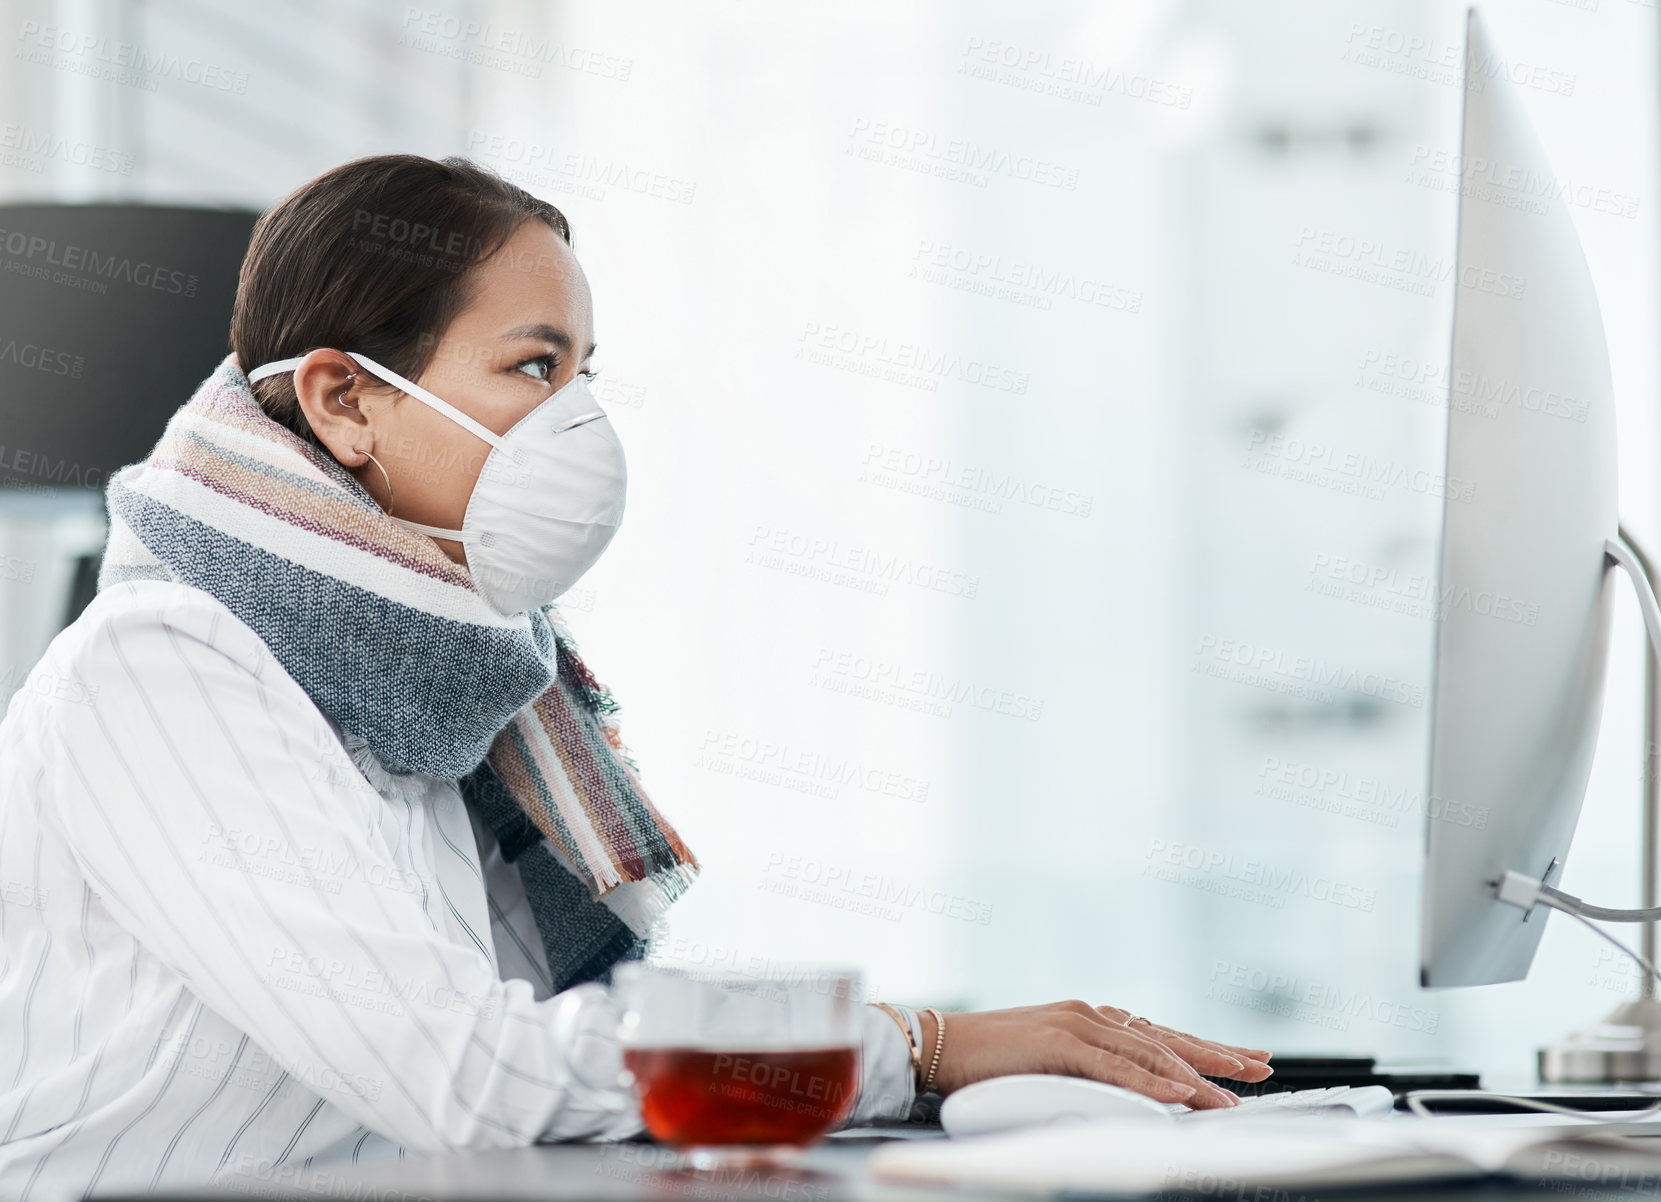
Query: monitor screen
x=110, y=316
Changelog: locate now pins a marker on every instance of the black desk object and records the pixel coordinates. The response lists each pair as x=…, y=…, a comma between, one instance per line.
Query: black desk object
x=1324, y=1072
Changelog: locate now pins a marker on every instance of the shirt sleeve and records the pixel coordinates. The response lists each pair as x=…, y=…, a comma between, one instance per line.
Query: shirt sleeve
x=886, y=1088
x=220, y=820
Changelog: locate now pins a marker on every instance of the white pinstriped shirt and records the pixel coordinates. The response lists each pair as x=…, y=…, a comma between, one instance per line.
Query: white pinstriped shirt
x=232, y=946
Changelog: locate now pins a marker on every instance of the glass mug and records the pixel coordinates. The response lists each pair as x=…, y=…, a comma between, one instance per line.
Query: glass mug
x=732, y=1069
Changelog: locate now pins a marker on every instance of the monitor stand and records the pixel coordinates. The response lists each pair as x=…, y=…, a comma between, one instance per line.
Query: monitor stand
x=1626, y=1046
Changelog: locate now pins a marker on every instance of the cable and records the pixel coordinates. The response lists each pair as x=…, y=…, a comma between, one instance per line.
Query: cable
x=1602, y=934
x=1516, y=890
x=1570, y=904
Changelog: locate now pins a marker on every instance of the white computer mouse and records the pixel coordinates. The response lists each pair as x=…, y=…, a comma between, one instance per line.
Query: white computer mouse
x=1038, y=1099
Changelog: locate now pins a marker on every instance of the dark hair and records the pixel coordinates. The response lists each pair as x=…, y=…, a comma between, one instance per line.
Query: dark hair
x=373, y=256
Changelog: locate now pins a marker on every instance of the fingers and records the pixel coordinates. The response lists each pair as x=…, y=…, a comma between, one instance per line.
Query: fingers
x=1129, y=1043
x=1116, y=1015
x=1099, y=1064
x=1148, y=1053
x=1210, y=1058
x=1207, y=1059
x=1220, y=1058
x=1242, y=1054
x=1205, y=1055
x=1257, y=1054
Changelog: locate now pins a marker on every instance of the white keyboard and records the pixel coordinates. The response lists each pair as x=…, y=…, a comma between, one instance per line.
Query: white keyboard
x=1364, y=1101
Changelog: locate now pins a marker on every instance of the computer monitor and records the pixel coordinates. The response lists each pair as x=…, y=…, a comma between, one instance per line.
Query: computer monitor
x=1525, y=589
x=110, y=316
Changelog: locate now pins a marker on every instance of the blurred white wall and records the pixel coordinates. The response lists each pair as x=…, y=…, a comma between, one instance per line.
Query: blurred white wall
x=945, y=341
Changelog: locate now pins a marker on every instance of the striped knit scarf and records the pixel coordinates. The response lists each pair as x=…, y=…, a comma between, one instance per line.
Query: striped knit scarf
x=394, y=644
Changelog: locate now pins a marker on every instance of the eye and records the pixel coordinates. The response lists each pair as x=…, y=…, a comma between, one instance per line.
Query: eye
x=590, y=374
x=540, y=367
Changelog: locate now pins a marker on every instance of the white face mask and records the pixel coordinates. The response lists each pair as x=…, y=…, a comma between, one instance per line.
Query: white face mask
x=548, y=499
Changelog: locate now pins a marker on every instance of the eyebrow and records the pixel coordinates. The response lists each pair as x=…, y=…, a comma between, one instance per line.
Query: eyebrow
x=551, y=334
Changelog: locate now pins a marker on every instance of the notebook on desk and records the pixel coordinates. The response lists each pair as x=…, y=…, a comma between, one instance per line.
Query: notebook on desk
x=1306, y=1152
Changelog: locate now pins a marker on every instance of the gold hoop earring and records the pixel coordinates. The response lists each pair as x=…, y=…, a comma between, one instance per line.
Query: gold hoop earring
x=385, y=477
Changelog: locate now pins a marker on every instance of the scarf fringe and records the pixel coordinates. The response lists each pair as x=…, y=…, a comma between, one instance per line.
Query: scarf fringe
x=644, y=905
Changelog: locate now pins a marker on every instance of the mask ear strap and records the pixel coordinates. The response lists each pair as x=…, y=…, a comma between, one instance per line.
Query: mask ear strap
x=460, y=536
x=273, y=368
x=415, y=390
x=397, y=381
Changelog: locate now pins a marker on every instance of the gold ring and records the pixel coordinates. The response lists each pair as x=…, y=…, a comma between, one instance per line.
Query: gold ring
x=1136, y=1018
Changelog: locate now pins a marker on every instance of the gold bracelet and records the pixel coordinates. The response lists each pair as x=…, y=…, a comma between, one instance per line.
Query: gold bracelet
x=939, y=1042
x=910, y=1043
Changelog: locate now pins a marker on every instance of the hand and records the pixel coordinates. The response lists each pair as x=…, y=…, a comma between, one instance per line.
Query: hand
x=1077, y=1039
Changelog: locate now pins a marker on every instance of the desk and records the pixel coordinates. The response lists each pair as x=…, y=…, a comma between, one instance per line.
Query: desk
x=831, y=1172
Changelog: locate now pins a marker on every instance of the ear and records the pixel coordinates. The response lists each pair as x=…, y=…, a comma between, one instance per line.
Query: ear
x=322, y=381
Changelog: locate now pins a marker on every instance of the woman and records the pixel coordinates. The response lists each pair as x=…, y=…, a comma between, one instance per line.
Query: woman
x=327, y=843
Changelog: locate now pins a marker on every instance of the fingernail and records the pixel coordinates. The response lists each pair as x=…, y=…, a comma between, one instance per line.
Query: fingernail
x=1239, y=1066
x=1186, y=1091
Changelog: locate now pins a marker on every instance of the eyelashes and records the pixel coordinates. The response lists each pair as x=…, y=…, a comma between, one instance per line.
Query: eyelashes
x=549, y=364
